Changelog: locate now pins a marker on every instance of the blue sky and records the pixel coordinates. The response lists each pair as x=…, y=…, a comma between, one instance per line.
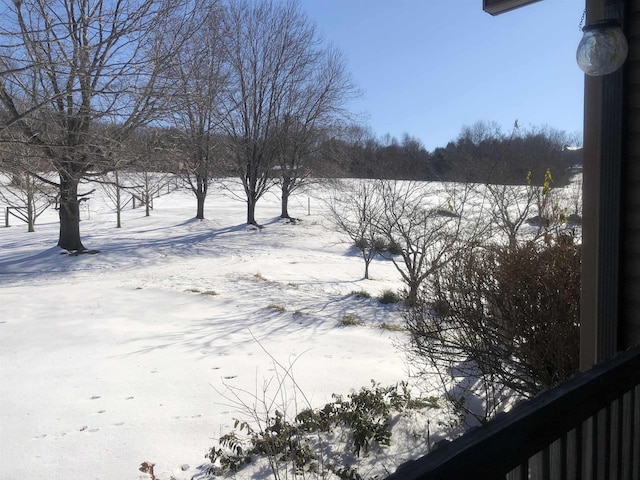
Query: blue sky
x=429, y=67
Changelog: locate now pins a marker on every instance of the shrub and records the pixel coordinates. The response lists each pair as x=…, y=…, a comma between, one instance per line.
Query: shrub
x=361, y=294
x=349, y=320
x=394, y=248
x=361, y=243
x=299, y=442
x=278, y=308
x=380, y=245
x=377, y=244
x=389, y=296
x=366, y=414
x=508, y=316
x=206, y=292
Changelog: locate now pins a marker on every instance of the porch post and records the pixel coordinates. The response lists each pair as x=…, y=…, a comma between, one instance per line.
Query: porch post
x=602, y=185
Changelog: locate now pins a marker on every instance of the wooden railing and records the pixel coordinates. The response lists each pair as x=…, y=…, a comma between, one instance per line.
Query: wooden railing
x=586, y=428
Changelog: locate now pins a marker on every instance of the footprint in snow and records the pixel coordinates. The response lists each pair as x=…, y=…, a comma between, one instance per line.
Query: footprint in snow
x=86, y=429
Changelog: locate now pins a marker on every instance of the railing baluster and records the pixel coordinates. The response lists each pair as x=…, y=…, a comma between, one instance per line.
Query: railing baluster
x=589, y=450
x=615, y=459
x=558, y=459
x=521, y=472
x=603, y=420
x=627, y=435
x=513, y=474
x=546, y=463
x=635, y=441
x=539, y=466
x=535, y=467
x=574, y=451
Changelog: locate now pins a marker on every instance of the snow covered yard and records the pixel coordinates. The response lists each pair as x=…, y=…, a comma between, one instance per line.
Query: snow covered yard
x=113, y=359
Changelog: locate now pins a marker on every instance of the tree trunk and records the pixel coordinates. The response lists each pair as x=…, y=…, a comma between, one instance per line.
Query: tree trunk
x=251, y=211
x=69, y=237
x=200, y=209
x=118, y=201
x=285, y=198
x=147, y=195
x=31, y=214
x=412, y=296
x=118, y=207
x=201, y=195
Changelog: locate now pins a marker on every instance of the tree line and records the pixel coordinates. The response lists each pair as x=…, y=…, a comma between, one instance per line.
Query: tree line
x=481, y=153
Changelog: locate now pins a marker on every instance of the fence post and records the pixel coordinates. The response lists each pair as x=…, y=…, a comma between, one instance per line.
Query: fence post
x=6, y=217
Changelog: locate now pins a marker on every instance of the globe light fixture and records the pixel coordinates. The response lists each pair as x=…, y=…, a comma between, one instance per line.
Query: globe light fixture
x=603, y=48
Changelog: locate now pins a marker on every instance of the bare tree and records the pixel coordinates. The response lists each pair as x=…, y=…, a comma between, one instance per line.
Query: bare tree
x=149, y=174
x=424, y=226
x=313, y=99
x=114, y=187
x=201, y=77
x=270, y=47
x=26, y=196
x=71, y=67
x=119, y=157
x=352, y=149
x=416, y=225
x=510, y=207
x=354, y=209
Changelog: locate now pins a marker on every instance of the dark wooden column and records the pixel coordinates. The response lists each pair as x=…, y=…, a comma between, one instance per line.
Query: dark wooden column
x=604, y=154
x=629, y=328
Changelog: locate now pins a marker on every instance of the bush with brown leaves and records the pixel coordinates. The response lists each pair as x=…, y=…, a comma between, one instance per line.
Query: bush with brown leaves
x=506, y=317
